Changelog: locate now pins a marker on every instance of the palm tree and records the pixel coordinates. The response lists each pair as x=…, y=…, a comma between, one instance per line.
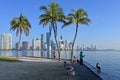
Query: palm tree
x=52, y=14
x=77, y=17
x=20, y=24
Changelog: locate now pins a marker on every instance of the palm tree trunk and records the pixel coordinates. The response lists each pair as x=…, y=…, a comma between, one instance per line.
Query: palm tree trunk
x=58, y=49
x=55, y=36
x=74, y=42
x=19, y=44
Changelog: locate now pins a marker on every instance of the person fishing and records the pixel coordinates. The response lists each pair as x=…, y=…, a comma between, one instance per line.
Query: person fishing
x=81, y=58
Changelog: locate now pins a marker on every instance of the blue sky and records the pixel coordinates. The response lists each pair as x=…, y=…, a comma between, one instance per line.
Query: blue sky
x=103, y=31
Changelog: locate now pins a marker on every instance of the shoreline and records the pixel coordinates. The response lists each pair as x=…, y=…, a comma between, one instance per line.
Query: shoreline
x=39, y=59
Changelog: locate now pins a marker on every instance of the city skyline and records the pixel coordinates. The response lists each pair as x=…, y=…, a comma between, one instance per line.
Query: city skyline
x=102, y=31
x=40, y=44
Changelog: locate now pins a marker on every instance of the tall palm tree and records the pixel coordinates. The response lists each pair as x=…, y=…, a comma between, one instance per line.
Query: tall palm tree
x=52, y=14
x=77, y=17
x=20, y=24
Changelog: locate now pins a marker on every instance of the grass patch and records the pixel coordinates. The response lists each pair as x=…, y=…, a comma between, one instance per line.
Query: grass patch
x=9, y=59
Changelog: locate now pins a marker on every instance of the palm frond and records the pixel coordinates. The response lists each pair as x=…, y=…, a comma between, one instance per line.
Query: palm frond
x=44, y=22
x=17, y=31
x=66, y=24
x=84, y=21
x=26, y=31
x=71, y=15
x=20, y=24
x=43, y=8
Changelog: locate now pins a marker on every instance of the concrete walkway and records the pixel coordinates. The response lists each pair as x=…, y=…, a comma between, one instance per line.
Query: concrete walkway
x=83, y=73
x=42, y=69
x=28, y=70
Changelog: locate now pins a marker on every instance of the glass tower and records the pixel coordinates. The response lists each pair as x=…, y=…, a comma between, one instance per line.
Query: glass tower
x=42, y=42
x=48, y=40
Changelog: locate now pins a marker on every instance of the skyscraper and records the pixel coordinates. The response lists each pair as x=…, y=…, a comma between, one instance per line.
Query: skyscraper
x=53, y=45
x=36, y=44
x=66, y=44
x=70, y=45
x=6, y=41
x=61, y=43
x=48, y=40
x=42, y=42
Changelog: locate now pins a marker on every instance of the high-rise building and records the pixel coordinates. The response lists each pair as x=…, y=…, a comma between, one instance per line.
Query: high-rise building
x=61, y=37
x=66, y=44
x=94, y=48
x=48, y=40
x=61, y=43
x=42, y=42
x=36, y=44
x=83, y=47
x=6, y=41
x=70, y=46
x=25, y=45
x=91, y=47
x=45, y=47
x=53, y=45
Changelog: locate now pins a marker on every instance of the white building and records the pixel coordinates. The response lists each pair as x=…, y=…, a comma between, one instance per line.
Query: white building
x=70, y=46
x=36, y=44
x=61, y=43
x=6, y=41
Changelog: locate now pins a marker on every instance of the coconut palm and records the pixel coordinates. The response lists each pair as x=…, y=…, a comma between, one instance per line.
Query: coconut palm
x=77, y=17
x=20, y=24
x=52, y=14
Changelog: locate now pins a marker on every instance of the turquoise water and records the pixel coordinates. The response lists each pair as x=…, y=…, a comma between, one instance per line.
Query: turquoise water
x=108, y=60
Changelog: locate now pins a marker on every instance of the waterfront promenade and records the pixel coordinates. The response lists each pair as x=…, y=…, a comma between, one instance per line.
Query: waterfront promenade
x=42, y=69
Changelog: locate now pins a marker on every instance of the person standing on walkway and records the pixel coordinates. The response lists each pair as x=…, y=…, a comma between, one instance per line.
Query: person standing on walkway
x=81, y=58
x=54, y=55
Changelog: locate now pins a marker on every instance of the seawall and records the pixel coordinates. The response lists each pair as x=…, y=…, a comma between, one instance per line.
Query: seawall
x=100, y=74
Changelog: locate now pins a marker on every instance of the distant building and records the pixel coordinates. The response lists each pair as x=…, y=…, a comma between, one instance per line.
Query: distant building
x=48, y=40
x=6, y=41
x=94, y=48
x=61, y=43
x=83, y=47
x=25, y=45
x=53, y=45
x=46, y=46
x=42, y=42
x=88, y=49
x=17, y=46
x=70, y=46
x=66, y=45
x=36, y=44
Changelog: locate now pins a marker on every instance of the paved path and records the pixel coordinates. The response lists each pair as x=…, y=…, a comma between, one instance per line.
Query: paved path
x=28, y=70
x=51, y=70
x=83, y=73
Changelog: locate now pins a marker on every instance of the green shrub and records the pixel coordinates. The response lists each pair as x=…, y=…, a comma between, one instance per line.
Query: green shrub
x=8, y=59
